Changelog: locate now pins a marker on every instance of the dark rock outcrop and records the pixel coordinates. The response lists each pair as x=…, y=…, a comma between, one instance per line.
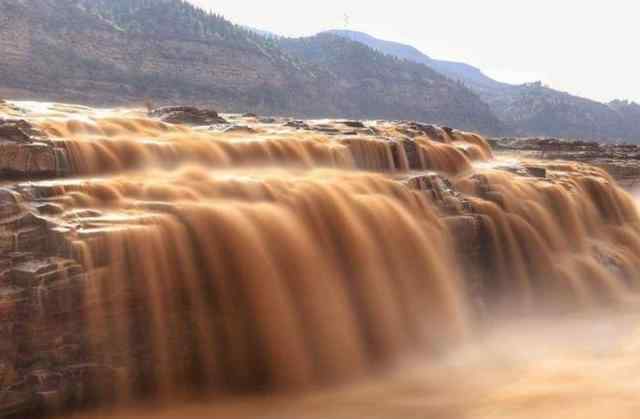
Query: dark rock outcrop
x=188, y=115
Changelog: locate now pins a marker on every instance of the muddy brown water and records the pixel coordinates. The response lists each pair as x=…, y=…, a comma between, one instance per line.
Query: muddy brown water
x=267, y=270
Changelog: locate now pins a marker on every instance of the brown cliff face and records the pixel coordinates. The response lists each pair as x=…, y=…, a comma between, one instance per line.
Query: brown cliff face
x=126, y=51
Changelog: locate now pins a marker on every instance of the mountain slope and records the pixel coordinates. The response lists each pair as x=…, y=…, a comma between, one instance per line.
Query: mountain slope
x=121, y=51
x=536, y=110
x=379, y=84
x=530, y=109
x=118, y=51
x=471, y=76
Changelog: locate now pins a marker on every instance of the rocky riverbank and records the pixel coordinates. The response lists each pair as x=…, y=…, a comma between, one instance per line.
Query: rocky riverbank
x=621, y=161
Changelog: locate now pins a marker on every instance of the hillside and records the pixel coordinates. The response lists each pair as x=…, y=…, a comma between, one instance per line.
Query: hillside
x=530, y=109
x=379, y=84
x=470, y=75
x=103, y=52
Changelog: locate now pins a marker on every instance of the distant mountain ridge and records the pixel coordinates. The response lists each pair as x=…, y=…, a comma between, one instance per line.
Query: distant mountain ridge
x=104, y=52
x=261, y=32
x=528, y=109
x=472, y=76
x=378, y=82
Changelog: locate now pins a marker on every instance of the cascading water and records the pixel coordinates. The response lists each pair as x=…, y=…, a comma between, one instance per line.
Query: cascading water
x=273, y=260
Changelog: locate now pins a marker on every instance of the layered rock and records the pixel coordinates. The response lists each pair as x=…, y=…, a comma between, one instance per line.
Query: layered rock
x=26, y=152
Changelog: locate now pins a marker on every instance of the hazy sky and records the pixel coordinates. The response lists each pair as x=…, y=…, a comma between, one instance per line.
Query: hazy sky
x=584, y=47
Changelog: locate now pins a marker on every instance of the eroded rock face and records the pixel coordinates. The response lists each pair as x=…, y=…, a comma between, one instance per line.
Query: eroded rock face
x=188, y=115
x=25, y=151
x=18, y=130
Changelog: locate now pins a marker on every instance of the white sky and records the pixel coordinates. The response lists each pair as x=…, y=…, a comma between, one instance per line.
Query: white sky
x=587, y=47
